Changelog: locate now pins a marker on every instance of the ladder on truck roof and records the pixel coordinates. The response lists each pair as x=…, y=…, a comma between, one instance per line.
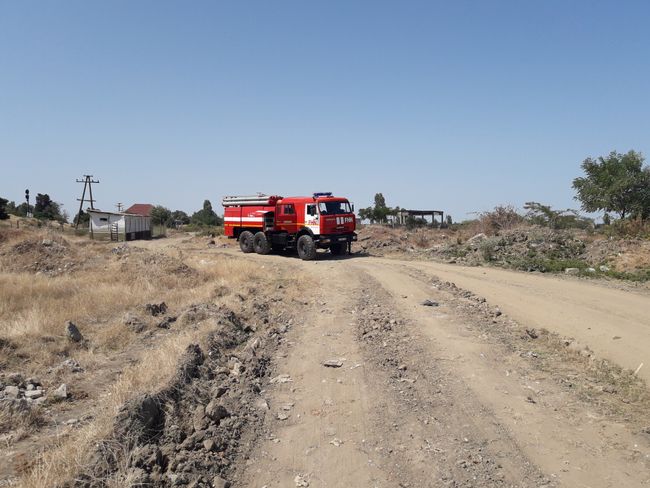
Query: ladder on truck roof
x=241, y=200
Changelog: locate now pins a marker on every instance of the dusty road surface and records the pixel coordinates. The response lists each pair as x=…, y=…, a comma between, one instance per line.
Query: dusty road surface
x=375, y=389
x=614, y=323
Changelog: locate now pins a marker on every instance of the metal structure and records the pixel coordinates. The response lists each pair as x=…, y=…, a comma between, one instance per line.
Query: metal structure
x=404, y=215
x=87, y=181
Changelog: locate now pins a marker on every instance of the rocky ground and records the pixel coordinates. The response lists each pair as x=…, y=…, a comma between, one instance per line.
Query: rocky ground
x=526, y=248
x=221, y=369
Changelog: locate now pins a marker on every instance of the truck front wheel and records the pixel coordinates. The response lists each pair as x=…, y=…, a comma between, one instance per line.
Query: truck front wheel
x=306, y=248
x=246, y=241
x=261, y=244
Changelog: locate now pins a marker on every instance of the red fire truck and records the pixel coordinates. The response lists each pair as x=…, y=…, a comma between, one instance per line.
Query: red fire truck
x=265, y=223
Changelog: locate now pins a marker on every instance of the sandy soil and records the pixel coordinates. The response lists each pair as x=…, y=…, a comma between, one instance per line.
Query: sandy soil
x=503, y=379
x=429, y=396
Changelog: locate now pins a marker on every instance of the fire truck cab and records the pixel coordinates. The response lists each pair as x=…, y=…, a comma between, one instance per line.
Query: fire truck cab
x=264, y=223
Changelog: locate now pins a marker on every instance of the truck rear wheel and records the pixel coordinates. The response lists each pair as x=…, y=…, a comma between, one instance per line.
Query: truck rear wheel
x=261, y=244
x=306, y=248
x=337, y=249
x=246, y=241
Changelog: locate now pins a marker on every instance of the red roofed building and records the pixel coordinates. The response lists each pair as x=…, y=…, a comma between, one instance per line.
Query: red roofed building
x=140, y=209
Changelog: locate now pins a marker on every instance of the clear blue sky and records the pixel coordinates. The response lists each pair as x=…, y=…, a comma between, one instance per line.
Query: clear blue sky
x=451, y=105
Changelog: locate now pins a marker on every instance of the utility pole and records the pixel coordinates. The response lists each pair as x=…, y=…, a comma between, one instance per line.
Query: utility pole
x=28, y=213
x=87, y=181
x=120, y=206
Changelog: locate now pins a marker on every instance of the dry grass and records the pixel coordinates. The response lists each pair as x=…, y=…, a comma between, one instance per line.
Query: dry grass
x=34, y=309
x=72, y=452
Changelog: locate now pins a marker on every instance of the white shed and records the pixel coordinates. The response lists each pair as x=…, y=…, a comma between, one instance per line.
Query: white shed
x=119, y=226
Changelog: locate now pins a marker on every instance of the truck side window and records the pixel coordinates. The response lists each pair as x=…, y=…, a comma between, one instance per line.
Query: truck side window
x=288, y=209
x=311, y=209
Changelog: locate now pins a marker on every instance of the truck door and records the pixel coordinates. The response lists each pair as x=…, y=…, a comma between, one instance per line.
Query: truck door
x=287, y=219
x=312, y=218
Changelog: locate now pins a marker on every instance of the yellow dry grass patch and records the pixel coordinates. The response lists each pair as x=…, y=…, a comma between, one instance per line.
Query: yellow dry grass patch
x=72, y=451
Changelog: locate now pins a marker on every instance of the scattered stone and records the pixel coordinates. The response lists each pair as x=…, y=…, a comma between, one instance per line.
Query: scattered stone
x=73, y=333
x=34, y=394
x=216, y=411
x=282, y=416
x=262, y=404
x=11, y=391
x=615, y=338
x=477, y=238
x=61, y=392
x=134, y=322
x=497, y=312
x=333, y=363
x=156, y=309
x=532, y=333
x=429, y=303
x=72, y=365
x=282, y=378
x=604, y=268
x=530, y=399
x=301, y=481
x=336, y=442
x=219, y=482
x=199, y=420
x=166, y=323
x=590, y=270
x=572, y=271
x=208, y=445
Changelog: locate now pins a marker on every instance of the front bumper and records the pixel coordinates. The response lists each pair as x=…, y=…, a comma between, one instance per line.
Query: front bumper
x=326, y=240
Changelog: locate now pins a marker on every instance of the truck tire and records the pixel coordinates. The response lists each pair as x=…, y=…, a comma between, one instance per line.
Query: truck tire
x=246, y=241
x=261, y=244
x=306, y=248
x=337, y=248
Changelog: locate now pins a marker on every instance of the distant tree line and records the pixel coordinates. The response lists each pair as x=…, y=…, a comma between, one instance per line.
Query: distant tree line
x=43, y=209
x=205, y=217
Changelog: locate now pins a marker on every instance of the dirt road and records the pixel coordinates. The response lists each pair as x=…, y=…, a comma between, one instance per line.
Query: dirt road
x=614, y=323
x=453, y=394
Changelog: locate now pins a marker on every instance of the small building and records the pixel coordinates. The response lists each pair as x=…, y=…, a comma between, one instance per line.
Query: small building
x=119, y=226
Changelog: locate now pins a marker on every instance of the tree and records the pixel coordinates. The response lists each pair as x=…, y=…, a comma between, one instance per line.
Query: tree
x=22, y=210
x=82, y=218
x=3, y=209
x=11, y=208
x=379, y=212
x=616, y=183
x=46, y=209
x=206, y=216
x=161, y=216
x=545, y=216
x=178, y=216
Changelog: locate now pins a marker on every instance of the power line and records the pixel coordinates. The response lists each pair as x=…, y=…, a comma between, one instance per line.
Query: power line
x=87, y=181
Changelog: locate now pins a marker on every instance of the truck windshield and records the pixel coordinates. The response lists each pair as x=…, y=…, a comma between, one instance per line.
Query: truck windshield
x=334, y=208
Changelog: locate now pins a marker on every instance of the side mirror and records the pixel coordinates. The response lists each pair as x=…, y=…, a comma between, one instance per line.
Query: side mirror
x=352, y=205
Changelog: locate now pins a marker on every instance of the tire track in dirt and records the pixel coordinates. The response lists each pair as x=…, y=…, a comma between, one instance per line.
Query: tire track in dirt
x=391, y=416
x=570, y=440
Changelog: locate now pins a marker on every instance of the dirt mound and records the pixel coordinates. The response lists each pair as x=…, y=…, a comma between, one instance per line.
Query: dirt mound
x=49, y=254
x=527, y=248
x=192, y=432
